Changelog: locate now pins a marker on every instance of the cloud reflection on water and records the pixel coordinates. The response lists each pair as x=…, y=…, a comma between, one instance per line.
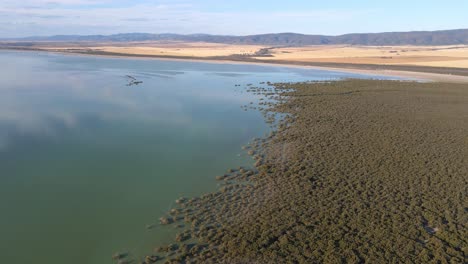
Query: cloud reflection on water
x=39, y=96
x=42, y=93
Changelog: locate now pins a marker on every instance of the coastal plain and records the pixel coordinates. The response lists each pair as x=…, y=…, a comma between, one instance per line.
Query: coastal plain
x=434, y=63
x=435, y=56
x=355, y=171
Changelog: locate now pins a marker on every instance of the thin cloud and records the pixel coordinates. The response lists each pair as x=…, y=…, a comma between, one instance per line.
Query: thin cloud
x=51, y=17
x=180, y=17
x=51, y=3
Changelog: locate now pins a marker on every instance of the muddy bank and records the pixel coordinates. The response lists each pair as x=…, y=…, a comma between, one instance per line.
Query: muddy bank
x=358, y=171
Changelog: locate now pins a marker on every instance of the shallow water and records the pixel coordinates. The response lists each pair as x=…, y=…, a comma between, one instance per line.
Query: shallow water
x=87, y=162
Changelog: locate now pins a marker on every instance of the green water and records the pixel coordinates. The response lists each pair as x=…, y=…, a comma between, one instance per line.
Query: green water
x=87, y=162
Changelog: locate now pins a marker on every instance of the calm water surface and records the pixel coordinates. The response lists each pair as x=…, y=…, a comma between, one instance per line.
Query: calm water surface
x=87, y=162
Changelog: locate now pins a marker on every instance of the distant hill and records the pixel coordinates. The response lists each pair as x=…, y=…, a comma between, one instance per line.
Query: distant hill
x=443, y=37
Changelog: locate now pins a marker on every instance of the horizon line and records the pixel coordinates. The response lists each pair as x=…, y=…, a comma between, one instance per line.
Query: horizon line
x=207, y=34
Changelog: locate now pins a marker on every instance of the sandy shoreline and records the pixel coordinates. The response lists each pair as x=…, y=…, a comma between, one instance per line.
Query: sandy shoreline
x=421, y=76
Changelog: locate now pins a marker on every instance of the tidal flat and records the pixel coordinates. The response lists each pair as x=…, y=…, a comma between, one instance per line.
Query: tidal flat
x=94, y=150
x=356, y=171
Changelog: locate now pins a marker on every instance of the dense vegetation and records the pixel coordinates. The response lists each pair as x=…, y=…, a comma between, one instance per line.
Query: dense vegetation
x=358, y=171
x=443, y=37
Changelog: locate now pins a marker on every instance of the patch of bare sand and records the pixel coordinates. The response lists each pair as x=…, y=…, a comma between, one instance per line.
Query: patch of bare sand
x=196, y=50
x=422, y=76
x=441, y=56
x=457, y=63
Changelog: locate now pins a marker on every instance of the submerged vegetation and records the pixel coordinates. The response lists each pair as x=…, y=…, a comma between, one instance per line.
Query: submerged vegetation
x=356, y=171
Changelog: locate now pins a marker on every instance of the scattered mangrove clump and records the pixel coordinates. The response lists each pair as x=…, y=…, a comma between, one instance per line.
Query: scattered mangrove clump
x=356, y=171
x=119, y=256
x=166, y=220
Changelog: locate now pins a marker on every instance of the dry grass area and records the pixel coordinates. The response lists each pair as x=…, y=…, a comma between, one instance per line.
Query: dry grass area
x=172, y=49
x=439, y=56
x=435, y=63
x=436, y=56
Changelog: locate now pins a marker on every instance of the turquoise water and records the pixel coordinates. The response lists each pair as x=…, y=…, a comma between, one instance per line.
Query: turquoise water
x=87, y=162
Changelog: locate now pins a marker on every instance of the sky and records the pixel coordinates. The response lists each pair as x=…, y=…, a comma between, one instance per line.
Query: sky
x=20, y=18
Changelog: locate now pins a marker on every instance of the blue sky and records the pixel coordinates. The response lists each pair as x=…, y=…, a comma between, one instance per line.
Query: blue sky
x=20, y=18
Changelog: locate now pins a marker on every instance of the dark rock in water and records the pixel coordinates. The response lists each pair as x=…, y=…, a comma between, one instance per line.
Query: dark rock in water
x=133, y=81
x=131, y=77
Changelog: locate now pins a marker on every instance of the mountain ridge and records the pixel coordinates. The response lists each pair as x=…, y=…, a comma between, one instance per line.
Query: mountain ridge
x=439, y=37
